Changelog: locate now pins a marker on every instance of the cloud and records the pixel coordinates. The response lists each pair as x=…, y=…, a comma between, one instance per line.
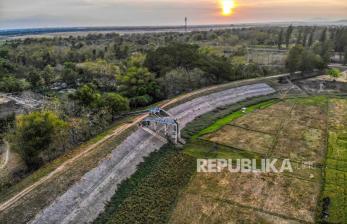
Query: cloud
x=20, y=13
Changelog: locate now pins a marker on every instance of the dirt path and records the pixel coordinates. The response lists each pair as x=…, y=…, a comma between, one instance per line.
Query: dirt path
x=7, y=155
x=7, y=204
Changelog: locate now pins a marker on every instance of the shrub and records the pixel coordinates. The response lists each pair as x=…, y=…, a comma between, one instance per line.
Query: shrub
x=335, y=73
x=39, y=136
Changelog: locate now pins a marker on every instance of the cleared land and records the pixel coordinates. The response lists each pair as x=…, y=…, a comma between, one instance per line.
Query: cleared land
x=298, y=129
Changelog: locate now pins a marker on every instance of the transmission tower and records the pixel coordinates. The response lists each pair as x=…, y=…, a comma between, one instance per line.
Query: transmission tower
x=186, y=24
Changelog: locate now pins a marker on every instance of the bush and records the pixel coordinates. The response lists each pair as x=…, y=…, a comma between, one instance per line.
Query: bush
x=141, y=101
x=333, y=72
x=87, y=96
x=115, y=103
x=11, y=84
x=39, y=136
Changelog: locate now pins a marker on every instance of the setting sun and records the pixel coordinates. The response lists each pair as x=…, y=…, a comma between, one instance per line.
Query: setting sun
x=228, y=6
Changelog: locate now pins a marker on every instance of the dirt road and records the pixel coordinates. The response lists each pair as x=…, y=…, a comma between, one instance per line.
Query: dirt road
x=6, y=155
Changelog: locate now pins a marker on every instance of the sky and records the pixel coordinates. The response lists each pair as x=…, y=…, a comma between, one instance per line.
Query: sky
x=67, y=13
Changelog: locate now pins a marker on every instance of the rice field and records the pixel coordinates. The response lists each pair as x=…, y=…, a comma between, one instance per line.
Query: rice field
x=311, y=132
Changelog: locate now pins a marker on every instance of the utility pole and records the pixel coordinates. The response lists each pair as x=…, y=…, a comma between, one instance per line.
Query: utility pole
x=186, y=24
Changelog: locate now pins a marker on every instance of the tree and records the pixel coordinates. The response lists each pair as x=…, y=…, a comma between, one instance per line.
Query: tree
x=5, y=67
x=294, y=58
x=299, y=39
x=138, y=81
x=323, y=38
x=310, y=61
x=181, y=80
x=120, y=52
x=39, y=136
x=280, y=39
x=304, y=41
x=288, y=35
x=9, y=83
x=87, y=96
x=4, y=53
x=164, y=59
x=324, y=49
x=115, y=103
x=311, y=39
x=303, y=59
x=69, y=75
x=35, y=79
x=48, y=75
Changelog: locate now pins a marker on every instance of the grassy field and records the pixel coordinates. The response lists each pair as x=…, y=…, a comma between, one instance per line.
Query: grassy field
x=300, y=129
x=336, y=173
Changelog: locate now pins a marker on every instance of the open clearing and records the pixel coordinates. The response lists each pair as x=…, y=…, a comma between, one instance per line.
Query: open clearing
x=311, y=132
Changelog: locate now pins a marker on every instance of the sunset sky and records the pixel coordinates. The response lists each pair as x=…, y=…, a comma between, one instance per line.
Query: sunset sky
x=53, y=13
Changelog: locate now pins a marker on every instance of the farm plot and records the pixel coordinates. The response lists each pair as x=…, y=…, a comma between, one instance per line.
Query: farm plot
x=277, y=196
x=284, y=130
x=197, y=209
x=335, y=189
x=240, y=138
x=293, y=129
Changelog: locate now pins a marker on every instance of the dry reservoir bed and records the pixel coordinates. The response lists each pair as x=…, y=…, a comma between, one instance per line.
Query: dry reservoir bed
x=295, y=129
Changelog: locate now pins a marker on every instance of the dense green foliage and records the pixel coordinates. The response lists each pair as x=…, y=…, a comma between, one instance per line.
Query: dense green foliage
x=115, y=103
x=150, y=194
x=164, y=59
x=37, y=133
x=305, y=60
x=335, y=73
x=87, y=96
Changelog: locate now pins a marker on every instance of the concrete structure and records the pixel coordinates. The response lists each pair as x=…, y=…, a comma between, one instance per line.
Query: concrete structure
x=86, y=199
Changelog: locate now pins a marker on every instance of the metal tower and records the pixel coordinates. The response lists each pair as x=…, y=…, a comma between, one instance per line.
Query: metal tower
x=162, y=124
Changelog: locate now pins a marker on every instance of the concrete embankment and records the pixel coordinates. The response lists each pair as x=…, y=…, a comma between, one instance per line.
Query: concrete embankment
x=86, y=199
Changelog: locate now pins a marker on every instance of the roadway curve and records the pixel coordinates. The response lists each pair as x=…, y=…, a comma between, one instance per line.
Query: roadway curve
x=86, y=199
x=14, y=199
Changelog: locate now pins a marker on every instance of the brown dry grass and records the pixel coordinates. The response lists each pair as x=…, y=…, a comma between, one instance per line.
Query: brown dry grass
x=261, y=122
x=242, y=139
x=195, y=209
x=337, y=114
x=296, y=132
x=300, y=143
x=268, y=193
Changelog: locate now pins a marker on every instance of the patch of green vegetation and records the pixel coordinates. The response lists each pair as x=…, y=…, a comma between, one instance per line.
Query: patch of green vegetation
x=337, y=145
x=320, y=101
x=150, y=194
x=337, y=164
x=335, y=178
x=334, y=72
x=337, y=207
x=231, y=117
